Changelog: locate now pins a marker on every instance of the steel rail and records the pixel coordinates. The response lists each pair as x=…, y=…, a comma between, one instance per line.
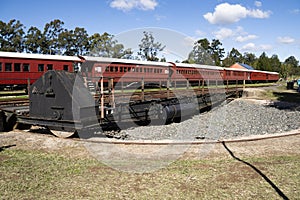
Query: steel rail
x=192, y=142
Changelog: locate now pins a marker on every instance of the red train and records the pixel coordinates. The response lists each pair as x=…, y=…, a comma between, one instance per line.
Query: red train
x=128, y=71
x=20, y=69
x=17, y=70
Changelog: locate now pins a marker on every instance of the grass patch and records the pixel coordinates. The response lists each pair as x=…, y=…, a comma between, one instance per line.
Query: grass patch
x=6, y=98
x=40, y=175
x=280, y=93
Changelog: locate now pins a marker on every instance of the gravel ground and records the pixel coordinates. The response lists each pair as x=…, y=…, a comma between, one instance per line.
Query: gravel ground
x=241, y=117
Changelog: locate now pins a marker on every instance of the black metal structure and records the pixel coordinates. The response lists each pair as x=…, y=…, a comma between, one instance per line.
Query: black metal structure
x=61, y=101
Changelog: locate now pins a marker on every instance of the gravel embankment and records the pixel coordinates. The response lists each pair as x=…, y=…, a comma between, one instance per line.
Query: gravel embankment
x=238, y=118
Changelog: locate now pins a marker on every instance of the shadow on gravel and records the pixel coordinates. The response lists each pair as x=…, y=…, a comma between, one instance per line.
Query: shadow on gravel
x=284, y=105
x=279, y=192
x=6, y=147
x=287, y=100
x=288, y=96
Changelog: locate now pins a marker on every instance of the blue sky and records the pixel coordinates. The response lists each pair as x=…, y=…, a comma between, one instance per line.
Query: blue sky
x=250, y=26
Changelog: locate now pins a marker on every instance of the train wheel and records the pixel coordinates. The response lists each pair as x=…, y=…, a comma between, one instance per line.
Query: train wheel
x=62, y=134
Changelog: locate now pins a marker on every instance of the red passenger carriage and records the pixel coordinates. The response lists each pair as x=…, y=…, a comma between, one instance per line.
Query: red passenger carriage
x=20, y=69
x=125, y=72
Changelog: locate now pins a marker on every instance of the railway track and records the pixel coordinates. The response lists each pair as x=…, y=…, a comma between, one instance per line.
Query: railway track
x=107, y=140
x=203, y=141
x=14, y=102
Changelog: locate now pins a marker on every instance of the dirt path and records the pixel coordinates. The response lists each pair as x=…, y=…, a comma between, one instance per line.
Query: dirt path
x=74, y=148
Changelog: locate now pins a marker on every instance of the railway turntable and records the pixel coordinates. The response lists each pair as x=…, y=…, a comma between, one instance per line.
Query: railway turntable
x=65, y=103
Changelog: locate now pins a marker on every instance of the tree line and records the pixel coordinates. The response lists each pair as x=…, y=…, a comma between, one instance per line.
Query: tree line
x=212, y=53
x=54, y=39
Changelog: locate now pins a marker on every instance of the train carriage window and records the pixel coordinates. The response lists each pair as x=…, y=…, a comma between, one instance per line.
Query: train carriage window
x=0, y=67
x=40, y=67
x=222, y=74
x=26, y=67
x=98, y=69
x=8, y=67
x=66, y=67
x=121, y=69
x=49, y=67
x=17, y=67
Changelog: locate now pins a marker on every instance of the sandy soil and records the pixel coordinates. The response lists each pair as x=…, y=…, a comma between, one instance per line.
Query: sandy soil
x=286, y=145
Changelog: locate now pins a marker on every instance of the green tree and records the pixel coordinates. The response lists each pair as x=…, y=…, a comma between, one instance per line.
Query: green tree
x=81, y=41
x=286, y=70
x=200, y=53
x=207, y=53
x=12, y=36
x=34, y=41
x=249, y=59
x=51, y=33
x=106, y=46
x=73, y=42
x=66, y=43
x=293, y=64
x=233, y=57
x=275, y=63
x=263, y=63
x=292, y=61
x=148, y=48
x=217, y=52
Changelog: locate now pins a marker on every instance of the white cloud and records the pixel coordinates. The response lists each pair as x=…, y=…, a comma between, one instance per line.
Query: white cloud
x=295, y=11
x=285, y=40
x=265, y=47
x=245, y=38
x=226, y=13
x=259, y=13
x=159, y=17
x=257, y=3
x=200, y=33
x=223, y=33
x=249, y=47
x=189, y=41
x=239, y=34
x=126, y=5
x=254, y=48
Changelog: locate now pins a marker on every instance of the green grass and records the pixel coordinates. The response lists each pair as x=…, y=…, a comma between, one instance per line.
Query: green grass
x=27, y=174
x=280, y=93
x=6, y=98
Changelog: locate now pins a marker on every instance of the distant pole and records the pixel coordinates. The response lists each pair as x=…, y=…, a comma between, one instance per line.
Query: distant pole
x=102, y=97
x=143, y=89
x=28, y=85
